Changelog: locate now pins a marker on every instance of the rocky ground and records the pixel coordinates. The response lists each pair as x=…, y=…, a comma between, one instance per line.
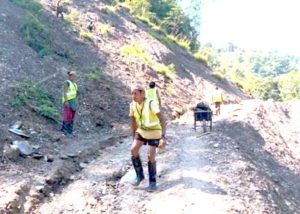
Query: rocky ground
x=247, y=164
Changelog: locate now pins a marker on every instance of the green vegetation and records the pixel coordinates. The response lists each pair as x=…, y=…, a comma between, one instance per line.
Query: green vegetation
x=218, y=75
x=94, y=74
x=168, y=71
x=30, y=5
x=86, y=35
x=103, y=28
x=167, y=20
x=34, y=32
x=36, y=35
x=264, y=75
x=72, y=18
x=108, y=9
x=200, y=58
x=162, y=38
x=134, y=50
x=36, y=98
x=289, y=85
x=137, y=52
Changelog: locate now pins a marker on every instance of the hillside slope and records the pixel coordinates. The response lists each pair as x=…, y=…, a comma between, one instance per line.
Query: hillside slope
x=105, y=73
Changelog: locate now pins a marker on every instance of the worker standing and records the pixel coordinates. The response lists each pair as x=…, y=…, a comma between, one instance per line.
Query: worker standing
x=148, y=127
x=217, y=100
x=69, y=102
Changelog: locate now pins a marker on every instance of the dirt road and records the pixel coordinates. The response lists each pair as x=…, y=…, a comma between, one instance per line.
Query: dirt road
x=230, y=170
x=197, y=173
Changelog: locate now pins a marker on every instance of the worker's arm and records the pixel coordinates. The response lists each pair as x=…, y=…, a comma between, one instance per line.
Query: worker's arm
x=158, y=96
x=162, y=119
x=163, y=123
x=133, y=126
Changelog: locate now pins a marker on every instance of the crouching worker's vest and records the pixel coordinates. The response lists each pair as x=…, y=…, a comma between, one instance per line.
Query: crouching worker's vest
x=146, y=119
x=72, y=91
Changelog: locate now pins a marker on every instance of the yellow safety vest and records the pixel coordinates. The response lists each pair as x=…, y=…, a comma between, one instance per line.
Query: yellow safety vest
x=151, y=94
x=72, y=91
x=217, y=96
x=146, y=119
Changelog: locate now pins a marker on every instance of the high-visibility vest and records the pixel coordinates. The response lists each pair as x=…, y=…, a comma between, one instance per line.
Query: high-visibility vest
x=72, y=91
x=151, y=94
x=145, y=118
x=217, y=96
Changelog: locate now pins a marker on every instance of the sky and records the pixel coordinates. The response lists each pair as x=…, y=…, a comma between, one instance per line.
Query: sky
x=267, y=25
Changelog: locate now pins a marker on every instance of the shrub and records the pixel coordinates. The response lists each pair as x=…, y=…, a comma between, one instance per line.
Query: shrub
x=218, y=75
x=162, y=38
x=103, y=28
x=36, y=35
x=86, y=35
x=168, y=71
x=36, y=98
x=200, y=58
x=109, y=10
x=136, y=51
x=183, y=43
x=30, y=5
x=72, y=18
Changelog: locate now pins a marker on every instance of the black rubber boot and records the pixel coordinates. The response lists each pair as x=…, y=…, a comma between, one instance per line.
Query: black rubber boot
x=152, y=176
x=138, y=167
x=71, y=127
x=63, y=126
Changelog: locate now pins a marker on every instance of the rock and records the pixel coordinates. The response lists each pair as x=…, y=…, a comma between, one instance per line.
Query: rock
x=48, y=158
x=16, y=125
x=11, y=152
x=24, y=147
x=83, y=165
x=19, y=132
x=71, y=155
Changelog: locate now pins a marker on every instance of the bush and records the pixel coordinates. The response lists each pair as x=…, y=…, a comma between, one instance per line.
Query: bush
x=200, y=58
x=162, y=38
x=289, y=85
x=72, y=18
x=36, y=98
x=103, y=28
x=183, y=43
x=86, y=35
x=36, y=35
x=168, y=71
x=136, y=51
x=218, y=75
x=30, y=5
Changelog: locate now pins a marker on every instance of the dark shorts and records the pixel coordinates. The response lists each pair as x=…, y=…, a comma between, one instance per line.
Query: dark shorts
x=150, y=142
x=217, y=104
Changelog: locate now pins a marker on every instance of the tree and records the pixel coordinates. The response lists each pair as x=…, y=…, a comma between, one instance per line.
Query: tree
x=139, y=7
x=289, y=85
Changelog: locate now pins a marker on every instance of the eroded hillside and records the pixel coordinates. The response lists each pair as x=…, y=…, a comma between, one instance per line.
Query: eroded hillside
x=105, y=59
x=249, y=161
